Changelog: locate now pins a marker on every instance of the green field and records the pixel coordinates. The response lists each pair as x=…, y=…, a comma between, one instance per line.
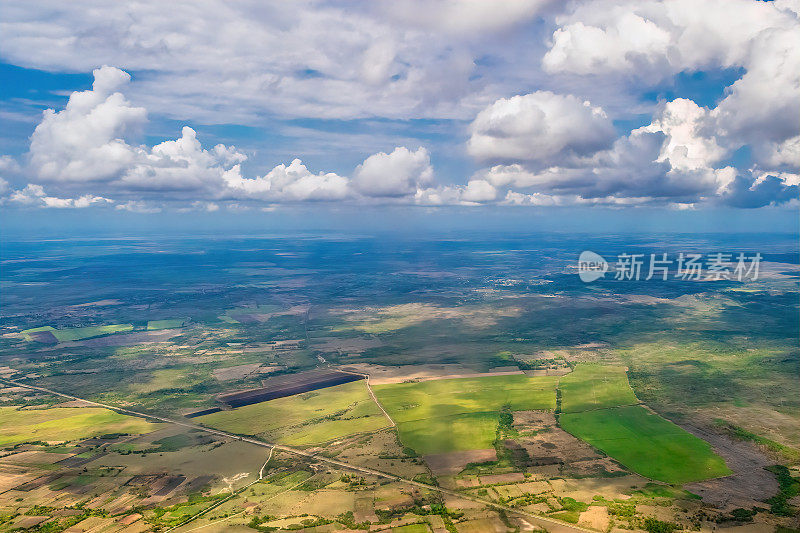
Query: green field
x=472, y=431
x=65, y=424
x=165, y=324
x=646, y=443
x=595, y=386
x=444, y=415
x=27, y=332
x=76, y=334
x=310, y=418
x=443, y=397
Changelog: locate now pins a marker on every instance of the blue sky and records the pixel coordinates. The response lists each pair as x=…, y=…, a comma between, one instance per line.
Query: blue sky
x=555, y=108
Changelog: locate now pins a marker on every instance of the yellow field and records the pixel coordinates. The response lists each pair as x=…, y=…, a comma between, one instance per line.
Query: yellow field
x=65, y=424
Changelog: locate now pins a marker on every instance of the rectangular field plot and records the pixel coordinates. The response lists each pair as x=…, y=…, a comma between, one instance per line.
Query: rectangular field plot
x=65, y=424
x=76, y=334
x=289, y=385
x=646, y=443
x=594, y=386
x=445, y=397
x=472, y=431
x=310, y=418
x=41, y=334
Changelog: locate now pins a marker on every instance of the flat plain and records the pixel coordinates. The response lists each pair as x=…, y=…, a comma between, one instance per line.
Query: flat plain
x=309, y=418
x=442, y=397
x=646, y=443
x=65, y=424
x=595, y=386
x=506, y=375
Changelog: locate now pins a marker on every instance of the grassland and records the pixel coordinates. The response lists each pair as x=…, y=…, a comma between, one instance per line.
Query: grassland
x=170, y=378
x=310, y=418
x=444, y=397
x=76, y=334
x=646, y=443
x=444, y=415
x=170, y=323
x=65, y=424
x=749, y=382
x=595, y=386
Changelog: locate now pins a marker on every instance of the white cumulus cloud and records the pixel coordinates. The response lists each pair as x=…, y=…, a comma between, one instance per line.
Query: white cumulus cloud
x=539, y=127
x=399, y=173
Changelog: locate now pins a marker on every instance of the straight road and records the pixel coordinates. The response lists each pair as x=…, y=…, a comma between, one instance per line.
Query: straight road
x=372, y=394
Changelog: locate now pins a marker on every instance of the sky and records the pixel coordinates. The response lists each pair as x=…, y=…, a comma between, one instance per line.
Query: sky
x=542, y=112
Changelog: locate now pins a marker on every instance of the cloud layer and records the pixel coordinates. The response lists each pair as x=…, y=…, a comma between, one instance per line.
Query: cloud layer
x=540, y=91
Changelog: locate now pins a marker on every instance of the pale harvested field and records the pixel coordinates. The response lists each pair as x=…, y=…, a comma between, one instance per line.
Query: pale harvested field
x=595, y=517
x=442, y=464
x=610, y=488
x=380, y=451
x=382, y=375
x=327, y=503
x=395, y=317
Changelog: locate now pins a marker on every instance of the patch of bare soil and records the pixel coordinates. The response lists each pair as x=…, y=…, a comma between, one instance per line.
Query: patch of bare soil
x=748, y=486
x=595, y=517
x=75, y=403
x=546, y=444
x=443, y=464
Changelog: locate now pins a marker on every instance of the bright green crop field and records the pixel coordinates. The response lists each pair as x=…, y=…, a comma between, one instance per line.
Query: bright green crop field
x=646, y=443
x=76, y=334
x=594, y=386
x=472, y=431
x=444, y=415
x=444, y=397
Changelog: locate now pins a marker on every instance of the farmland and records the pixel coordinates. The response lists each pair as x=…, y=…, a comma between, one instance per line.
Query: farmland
x=288, y=385
x=443, y=397
x=467, y=431
x=507, y=379
x=309, y=418
x=596, y=404
x=169, y=323
x=594, y=386
x=33, y=333
x=646, y=443
x=46, y=333
x=65, y=424
x=76, y=334
x=444, y=415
